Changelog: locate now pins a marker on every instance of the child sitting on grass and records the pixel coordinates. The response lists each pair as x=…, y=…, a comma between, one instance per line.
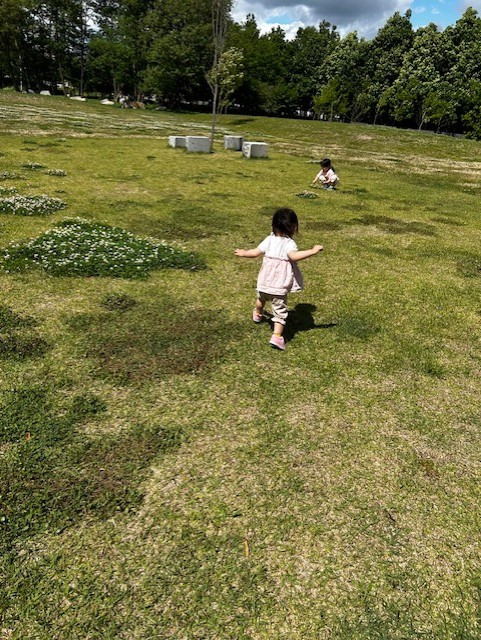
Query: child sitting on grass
x=326, y=176
x=279, y=272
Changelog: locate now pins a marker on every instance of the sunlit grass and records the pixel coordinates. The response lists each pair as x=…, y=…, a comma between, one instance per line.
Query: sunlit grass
x=164, y=473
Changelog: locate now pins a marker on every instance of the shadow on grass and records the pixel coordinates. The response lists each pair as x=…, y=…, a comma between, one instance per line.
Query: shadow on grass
x=324, y=225
x=19, y=339
x=468, y=265
x=149, y=342
x=239, y=121
x=185, y=221
x=52, y=475
x=300, y=320
x=395, y=225
x=450, y=221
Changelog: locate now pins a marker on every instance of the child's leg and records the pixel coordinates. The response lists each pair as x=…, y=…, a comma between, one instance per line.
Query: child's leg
x=259, y=307
x=279, y=310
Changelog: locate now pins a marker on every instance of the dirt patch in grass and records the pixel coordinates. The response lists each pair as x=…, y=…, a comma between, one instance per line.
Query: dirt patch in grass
x=152, y=342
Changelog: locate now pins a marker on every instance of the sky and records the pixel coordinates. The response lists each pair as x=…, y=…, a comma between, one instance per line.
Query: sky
x=363, y=16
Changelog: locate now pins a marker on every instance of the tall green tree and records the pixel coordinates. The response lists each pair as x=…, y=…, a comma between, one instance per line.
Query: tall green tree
x=424, y=68
x=179, y=50
x=347, y=72
x=308, y=53
x=386, y=52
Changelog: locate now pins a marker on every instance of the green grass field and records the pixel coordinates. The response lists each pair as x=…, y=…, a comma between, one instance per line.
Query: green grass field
x=164, y=473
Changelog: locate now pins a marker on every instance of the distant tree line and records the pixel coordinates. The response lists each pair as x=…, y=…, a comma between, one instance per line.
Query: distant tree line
x=424, y=78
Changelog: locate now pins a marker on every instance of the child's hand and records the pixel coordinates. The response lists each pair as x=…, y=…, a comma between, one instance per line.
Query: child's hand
x=317, y=247
x=240, y=253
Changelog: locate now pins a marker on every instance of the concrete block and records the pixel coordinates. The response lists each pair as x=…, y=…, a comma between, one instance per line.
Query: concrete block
x=233, y=142
x=255, y=149
x=45, y=92
x=176, y=141
x=197, y=144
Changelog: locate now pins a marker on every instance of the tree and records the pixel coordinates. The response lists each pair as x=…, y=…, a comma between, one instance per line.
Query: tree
x=386, y=53
x=308, y=52
x=178, y=46
x=229, y=76
x=423, y=69
x=331, y=100
x=220, y=17
x=347, y=73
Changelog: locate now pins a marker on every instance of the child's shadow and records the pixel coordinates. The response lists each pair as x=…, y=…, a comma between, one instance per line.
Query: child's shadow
x=301, y=319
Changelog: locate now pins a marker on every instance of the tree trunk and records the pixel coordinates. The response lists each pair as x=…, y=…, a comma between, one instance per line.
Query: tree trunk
x=214, y=116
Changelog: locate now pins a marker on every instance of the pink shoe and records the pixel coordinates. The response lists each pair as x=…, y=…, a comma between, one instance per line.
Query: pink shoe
x=278, y=342
x=256, y=317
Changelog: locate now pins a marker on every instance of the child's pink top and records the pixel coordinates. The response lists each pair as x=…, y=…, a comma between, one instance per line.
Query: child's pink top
x=278, y=275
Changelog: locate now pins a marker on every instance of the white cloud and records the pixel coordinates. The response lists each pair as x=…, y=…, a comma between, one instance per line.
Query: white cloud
x=365, y=16
x=476, y=4
x=419, y=9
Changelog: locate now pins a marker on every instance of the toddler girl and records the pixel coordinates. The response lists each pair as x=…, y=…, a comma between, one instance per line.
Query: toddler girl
x=326, y=176
x=279, y=272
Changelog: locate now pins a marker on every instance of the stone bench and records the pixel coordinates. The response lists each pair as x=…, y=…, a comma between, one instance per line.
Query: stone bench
x=255, y=149
x=197, y=144
x=177, y=141
x=233, y=142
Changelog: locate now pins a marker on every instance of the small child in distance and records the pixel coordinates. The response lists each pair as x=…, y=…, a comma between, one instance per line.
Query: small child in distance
x=326, y=176
x=279, y=273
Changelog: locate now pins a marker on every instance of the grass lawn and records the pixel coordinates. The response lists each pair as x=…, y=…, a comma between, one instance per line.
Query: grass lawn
x=164, y=473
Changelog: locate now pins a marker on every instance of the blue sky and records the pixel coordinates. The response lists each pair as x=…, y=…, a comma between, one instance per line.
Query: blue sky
x=363, y=16
x=442, y=13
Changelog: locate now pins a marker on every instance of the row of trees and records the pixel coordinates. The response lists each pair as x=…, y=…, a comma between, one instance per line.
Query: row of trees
x=177, y=52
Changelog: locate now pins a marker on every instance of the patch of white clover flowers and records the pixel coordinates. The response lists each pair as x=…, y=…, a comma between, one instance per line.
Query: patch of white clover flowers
x=33, y=166
x=56, y=172
x=40, y=205
x=9, y=175
x=8, y=191
x=79, y=247
x=310, y=195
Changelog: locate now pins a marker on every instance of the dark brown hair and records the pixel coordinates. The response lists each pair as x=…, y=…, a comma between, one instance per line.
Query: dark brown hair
x=285, y=222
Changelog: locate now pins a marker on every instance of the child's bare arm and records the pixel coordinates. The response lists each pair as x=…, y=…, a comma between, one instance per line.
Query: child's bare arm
x=295, y=256
x=248, y=253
